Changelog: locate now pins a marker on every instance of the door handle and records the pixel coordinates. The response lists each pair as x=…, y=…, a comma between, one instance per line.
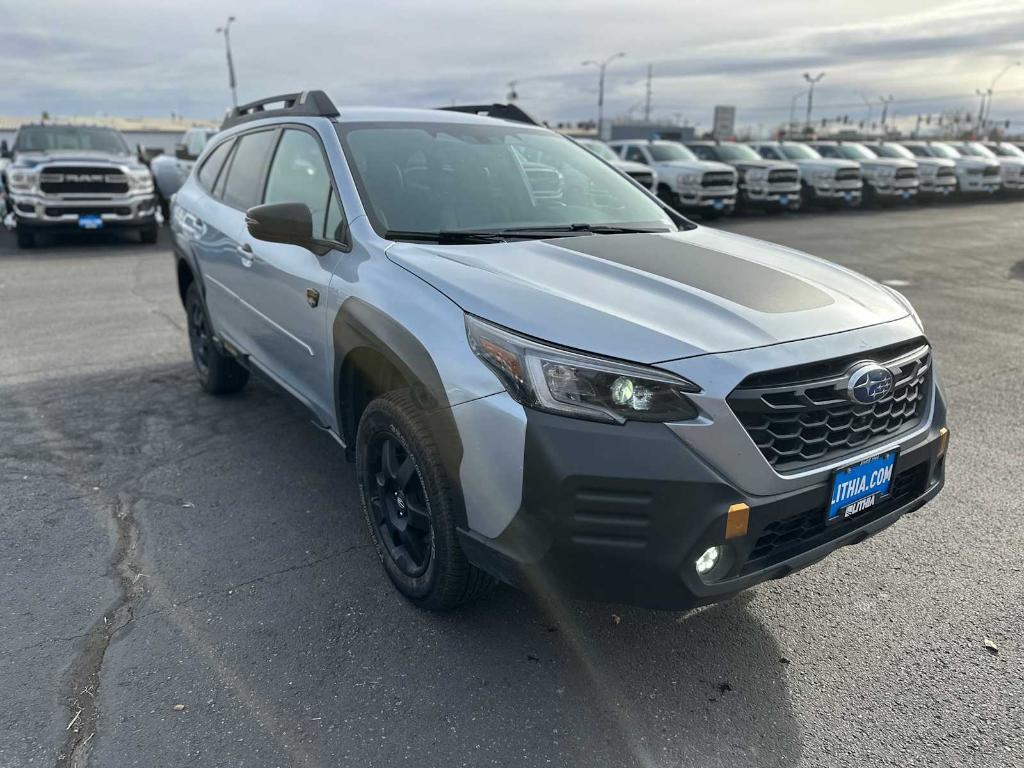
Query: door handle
x=246, y=255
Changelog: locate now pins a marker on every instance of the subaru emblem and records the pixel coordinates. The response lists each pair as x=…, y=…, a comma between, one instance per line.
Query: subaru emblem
x=869, y=383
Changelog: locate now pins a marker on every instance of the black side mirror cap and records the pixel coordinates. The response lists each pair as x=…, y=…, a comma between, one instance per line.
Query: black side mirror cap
x=5, y=151
x=181, y=152
x=288, y=223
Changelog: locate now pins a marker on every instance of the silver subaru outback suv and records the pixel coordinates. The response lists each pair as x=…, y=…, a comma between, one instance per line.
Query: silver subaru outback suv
x=572, y=388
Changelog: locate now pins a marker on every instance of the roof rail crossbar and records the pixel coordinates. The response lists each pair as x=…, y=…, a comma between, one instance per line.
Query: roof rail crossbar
x=302, y=104
x=499, y=111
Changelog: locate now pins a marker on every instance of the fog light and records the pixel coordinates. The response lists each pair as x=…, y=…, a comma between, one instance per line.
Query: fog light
x=708, y=560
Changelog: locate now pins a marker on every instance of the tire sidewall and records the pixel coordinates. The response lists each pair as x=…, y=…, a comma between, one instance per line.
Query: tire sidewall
x=384, y=418
x=192, y=298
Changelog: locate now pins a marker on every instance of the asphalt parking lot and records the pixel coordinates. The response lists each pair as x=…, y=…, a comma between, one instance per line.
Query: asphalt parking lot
x=187, y=580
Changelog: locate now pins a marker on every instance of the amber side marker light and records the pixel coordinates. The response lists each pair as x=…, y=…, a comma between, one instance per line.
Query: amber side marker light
x=943, y=441
x=737, y=520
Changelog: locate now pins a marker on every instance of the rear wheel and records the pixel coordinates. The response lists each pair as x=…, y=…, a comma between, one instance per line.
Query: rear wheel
x=26, y=237
x=219, y=373
x=409, y=506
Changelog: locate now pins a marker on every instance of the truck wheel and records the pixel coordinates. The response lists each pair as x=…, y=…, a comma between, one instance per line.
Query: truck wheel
x=668, y=197
x=148, y=234
x=219, y=373
x=26, y=237
x=408, y=504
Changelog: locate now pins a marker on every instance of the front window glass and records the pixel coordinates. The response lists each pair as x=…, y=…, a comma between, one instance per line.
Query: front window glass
x=444, y=177
x=736, y=153
x=975, y=149
x=669, y=151
x=600, y=149
x=799, y=152
x=944, y=150
x=298, y=174
x=48, y=138
x=856, y=152
x=1007, y=150
x=893, y=150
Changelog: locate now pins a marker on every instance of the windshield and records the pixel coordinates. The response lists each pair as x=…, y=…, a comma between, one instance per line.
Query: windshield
x=668, y=151
x=1007, y=150
x=856, y=152
x=736, y=152
x=943, y=150
x=44, y=138
x=600, y=149
x=799, y=152
x=451, y=177
x=892, y=150
x=974, y=149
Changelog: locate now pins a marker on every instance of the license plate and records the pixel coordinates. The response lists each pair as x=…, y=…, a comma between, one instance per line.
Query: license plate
x=848, y=196
x=718, y=205
x=946, y=190
x=90, y=222
x=783, y=200
x=860, y=487
x=906, y=195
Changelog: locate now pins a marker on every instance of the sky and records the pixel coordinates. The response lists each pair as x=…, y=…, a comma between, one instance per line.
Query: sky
x=156, y=57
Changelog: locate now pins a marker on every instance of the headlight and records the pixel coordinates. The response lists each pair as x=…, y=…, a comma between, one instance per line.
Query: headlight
x=906, y=303
x=571, y=384
x=974, y=171
x=22, y=181
x=140, y=180
x=821, y=175
x=757, y=174
x=688, y=179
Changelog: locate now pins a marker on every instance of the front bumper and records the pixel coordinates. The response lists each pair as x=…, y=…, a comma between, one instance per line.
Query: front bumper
x=1013, y=183
x=769, y=195
x=620, y=514
x=937, y=185
x=721, y=198
x=980, y=184
x=848, y=192
x=64, y=211
x=895, y=188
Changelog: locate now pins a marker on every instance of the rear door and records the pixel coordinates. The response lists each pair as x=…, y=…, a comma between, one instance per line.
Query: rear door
x=285, y=286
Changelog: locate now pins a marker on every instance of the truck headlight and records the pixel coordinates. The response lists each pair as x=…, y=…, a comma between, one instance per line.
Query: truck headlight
x=688, y=179
x=23, y=181
x=822, y=176
x=572, y=384
x=140, y=180
x=974, y=171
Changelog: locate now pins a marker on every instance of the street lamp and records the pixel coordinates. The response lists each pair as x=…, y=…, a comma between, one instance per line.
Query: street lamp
x=792, y=110
x=226, y=31
x=810, y=94
x=886, y=101
x=987, y=108
x=602, y=66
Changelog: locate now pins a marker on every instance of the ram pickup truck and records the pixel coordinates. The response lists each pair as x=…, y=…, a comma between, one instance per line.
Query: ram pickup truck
x=773, y=185
x=640, y=173
x=74, y=177
x=684, y=182
x=1010, y=159
x=826, y=181
x=936, y=175
x=170, y=171
x=885, y=178
x=975, y=174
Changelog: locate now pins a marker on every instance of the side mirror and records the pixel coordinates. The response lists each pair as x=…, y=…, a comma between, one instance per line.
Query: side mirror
x=5, y=151
x=181, y=152
x=289, y=223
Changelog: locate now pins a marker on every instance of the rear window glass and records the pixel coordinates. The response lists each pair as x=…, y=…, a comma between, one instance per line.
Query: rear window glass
x=248, y=168
x=212, y=165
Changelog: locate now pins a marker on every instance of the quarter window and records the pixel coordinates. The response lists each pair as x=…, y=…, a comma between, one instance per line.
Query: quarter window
x=248, y=168
x=299, y=174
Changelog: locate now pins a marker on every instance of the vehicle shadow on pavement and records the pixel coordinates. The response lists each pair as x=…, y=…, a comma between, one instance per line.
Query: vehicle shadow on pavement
x=52, y=245
x=254, y=624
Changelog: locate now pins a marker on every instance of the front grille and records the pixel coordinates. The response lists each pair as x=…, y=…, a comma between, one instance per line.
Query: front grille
x=906, y=173
x=945, y=172
x=74, y=180
x=88, y=211
x=643, y=177
x=783, y=177
x=783, y=539
x=847, y=174
x=799, y=417
x=991, y=170
x=718, y=179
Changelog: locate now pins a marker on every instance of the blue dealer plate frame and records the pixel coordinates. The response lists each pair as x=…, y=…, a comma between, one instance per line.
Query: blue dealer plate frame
x=87, y=221
x=861, y=486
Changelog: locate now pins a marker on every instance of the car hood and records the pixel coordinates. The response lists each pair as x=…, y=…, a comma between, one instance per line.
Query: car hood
x=771, y=165
x=888, y=162
x=73, y=156
x=694, y=165
x=629, y=166
x=825, y=164
x=936, y=162
x=972, y=161
x=652, y=297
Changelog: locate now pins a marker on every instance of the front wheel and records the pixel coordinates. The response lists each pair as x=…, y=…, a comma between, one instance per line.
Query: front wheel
x=219, y=373
x=26, y=237
x=409, y=506
x=148, y=234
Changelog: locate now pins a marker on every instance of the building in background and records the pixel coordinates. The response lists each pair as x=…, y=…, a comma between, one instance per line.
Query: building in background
x=626, y=130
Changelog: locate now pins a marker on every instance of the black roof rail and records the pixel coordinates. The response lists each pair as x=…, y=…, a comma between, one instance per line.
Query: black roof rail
x=498, y=111
x=302, y=104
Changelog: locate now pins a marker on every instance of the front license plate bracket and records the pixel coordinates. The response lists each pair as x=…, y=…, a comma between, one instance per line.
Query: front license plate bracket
x=860, y=487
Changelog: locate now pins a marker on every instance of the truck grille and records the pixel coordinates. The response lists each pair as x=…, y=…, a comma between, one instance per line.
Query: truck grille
x=74, y=180
x=646, y=178
x=847, y=174
x=906, y=173
x=991, y=170
x=944, y=171
x=783, y=177
x=718, y=179
x=801, y=416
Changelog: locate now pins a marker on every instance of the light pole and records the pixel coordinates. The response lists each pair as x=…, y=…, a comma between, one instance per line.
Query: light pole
x=512, y=94
x=810, y=93
x=792, y=110
x=226, y=31
x=987, y=107
x=885, y=109
x=602, y=66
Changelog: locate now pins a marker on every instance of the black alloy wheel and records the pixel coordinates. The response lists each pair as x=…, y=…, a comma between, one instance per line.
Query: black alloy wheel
x=397, y=504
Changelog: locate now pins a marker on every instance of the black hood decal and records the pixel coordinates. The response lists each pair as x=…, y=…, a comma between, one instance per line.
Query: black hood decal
x=738, y=280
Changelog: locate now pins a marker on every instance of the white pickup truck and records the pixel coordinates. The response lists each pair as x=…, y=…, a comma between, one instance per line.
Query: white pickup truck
x=825, y=180
x=684, y=182
x=974, y=175
x=936, y=175
x=885, y=178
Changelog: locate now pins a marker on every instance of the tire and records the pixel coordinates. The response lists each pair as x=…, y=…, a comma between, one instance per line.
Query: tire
x=148, y=234
x=219, y=373
x=668, y=197
x=26, y=237
x=409, y=506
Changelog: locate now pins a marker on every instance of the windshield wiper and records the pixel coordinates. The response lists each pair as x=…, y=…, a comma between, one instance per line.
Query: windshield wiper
x=452, y=237
x=581, y=229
